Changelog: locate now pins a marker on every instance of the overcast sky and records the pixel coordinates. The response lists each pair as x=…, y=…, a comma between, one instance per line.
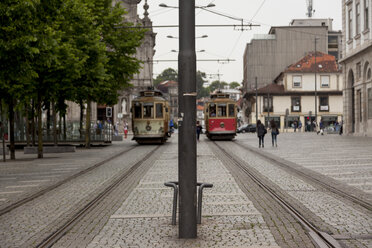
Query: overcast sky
x=227, y=43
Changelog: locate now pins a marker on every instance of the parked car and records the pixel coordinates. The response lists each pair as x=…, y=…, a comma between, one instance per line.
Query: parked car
x=247, y=128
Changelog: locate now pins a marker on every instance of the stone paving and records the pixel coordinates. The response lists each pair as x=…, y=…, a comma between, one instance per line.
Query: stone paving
x=229, y=218
x=344, y=158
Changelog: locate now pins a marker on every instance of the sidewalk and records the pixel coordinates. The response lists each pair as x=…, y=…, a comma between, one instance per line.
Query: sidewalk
x=229, y=218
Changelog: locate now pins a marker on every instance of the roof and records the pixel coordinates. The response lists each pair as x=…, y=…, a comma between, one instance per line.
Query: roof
x=324, y=63
x=169, y=83
x=199, y=107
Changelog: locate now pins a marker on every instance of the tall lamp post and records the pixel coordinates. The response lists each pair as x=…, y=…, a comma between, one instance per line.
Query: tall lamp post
x=315, y=92
x=187, y=116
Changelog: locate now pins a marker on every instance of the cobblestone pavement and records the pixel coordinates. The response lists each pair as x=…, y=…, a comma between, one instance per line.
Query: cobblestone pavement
x=229, y=217
x=349, y=224
x=344, y=158
x=38, y=217
x=28, y=175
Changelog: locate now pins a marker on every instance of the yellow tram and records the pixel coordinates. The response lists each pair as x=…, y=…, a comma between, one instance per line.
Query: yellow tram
x=150, y=122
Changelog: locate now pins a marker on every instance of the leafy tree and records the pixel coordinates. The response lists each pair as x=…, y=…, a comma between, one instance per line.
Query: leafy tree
x=167, y=74
x=200, y=80
x=217, y=85
x=17, y=49
x=234, y=85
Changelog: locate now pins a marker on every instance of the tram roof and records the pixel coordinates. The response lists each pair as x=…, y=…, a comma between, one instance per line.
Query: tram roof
x=150, y=94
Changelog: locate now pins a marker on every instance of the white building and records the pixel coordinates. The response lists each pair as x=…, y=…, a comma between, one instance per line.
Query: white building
x=356, y=62
x=292, y=97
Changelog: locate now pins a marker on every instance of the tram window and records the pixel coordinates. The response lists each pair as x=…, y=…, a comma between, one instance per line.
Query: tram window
x=231, y=110
x=221, y=110
x=148, y=110
x=137, y=110
x=212, y=110
x=159, y=110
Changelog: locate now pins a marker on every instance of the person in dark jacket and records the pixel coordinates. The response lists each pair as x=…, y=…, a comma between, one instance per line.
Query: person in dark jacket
x=198, y=130
x=261, y=131
x=274, y=132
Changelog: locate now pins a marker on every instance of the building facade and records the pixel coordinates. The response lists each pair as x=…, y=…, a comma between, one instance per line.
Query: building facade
x=357, y=66
x=291, y=98
x=170, y=89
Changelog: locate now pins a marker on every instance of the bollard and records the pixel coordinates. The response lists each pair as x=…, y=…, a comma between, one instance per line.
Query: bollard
x=174, y=185
x=200, y=197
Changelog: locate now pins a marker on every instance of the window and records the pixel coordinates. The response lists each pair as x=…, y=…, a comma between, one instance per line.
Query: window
x=221, y=110
x=323, y=103
x=324, y=81
x=358, y=71
x=148, y=110
x=231, y=110
x=369, y=74
x=296, y=104
x=350, y=22
x=297, y=81
x=212, y=110
x=268, y=104
x=137, y=110
x=366, y=23
x=357, y=21
x=159, y=110
x=370, y=103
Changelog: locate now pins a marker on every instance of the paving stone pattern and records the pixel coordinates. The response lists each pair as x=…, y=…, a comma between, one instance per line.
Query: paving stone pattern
x=144, y=219
x=38, y=217
x=345, y=219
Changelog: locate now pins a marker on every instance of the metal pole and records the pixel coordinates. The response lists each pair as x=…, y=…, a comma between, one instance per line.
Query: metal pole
x=268, y=108
x=187, y=121
x=256, y=101
x=316, y=98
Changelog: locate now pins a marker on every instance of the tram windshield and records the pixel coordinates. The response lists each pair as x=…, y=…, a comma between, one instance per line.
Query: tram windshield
x=159, y=110
x=221, y=110
x=212, y=110
x=137, y=110
x=231, y=110
x=148, y=110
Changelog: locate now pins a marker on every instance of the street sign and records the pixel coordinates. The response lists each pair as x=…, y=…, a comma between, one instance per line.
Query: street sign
x=108, y=111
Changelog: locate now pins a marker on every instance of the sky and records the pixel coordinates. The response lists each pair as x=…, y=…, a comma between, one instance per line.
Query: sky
x=227, y=43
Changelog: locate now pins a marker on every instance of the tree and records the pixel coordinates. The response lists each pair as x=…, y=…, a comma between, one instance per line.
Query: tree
x=234, y=85
x=217, y=85
x=167, y=74
x=200, y=80
x=17, y=48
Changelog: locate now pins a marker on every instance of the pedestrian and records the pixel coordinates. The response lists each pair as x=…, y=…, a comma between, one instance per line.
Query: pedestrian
x=198, y=130
x=320, y=128
x=261, y=131
x=295, y=126
x=125, y=129
x=299, y=126
x=341, y=124
x=274, y=133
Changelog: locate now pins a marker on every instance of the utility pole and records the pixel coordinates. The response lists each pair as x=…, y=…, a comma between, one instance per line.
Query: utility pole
x=268, y=108
x=256, y=101
x=316, y=98
x=187, y=121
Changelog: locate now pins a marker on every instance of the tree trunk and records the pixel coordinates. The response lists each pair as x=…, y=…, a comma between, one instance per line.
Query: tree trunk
x=27, y=109
x=64, y=127
x=55, y=139
x=81, y=119
x=11, y=128
x=39, y=128
x=33, y=129
x=48, y=119
x=87, y=126
x=2, y=125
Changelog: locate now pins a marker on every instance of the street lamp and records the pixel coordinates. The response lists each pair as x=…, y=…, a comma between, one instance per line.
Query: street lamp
x=175, y=37
x=198, y=7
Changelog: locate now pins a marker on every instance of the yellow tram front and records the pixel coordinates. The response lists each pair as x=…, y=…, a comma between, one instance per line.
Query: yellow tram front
x=150, y=117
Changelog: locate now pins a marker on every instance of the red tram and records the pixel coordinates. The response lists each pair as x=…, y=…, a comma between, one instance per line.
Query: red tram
x=220, y=114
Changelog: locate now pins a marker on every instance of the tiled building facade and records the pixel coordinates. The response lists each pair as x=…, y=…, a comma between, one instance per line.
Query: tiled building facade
x=357, y=66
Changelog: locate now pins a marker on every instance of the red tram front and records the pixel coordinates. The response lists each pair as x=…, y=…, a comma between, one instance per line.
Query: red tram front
x=220, y=114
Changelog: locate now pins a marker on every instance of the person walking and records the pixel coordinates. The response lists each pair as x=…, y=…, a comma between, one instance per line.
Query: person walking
x=261, y=131
x=198, y=130
x=125, y=129
x=274, y=133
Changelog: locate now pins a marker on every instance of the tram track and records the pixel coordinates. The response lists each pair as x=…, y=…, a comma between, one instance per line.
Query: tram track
x=62, y=182
x=320, y=238
x=285, y=165
x=63, y=229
